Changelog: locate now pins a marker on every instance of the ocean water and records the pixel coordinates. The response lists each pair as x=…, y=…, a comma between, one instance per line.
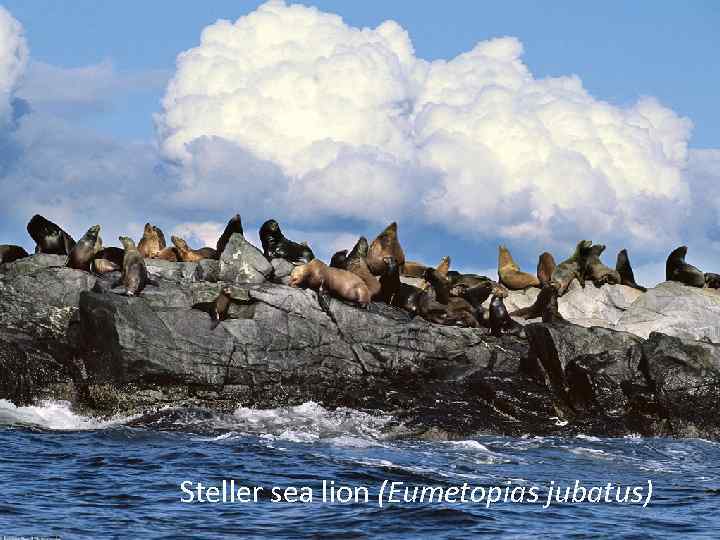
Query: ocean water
x=74, y=477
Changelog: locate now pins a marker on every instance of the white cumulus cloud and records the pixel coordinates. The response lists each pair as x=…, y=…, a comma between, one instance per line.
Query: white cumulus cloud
x=332, y=120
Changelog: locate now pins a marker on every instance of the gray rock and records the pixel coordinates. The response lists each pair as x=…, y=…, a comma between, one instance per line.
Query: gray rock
x=174, y=271
x=241, y=262
x=207, y=270
x=677, y=310
x=596, y=306
x=281, y=270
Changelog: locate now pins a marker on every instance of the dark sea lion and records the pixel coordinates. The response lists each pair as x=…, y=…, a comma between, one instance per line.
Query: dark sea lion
x=459, y=310
x=676, y=269
x=83, y=252
x=623, y=268
x=572, y=268
x=499, y=320
x=341, y=283
x=545, y=268
x=10, y=253
x=596, y=271
x=339, y=259
x=712, y=281
x=218, y=309
x=49, y=237
x=113, y=254
x=233, y=226
x=357, y=264
x=510, y=274
x=152, y=242
x=134, y=273
x=390, y=283
x=443, y=266
x=413, y=269
x=467, y=280
x=545, y=306
x=103, y=266
x=385, y=245
x=276, y=246
x=185, y=254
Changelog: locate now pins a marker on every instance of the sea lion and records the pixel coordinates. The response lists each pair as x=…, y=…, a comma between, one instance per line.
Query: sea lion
x=385, y=245
x=499, y=320
x=103, y=266
x=545, y=306
x=49, y=237
x=596, y=271
x=510, y=274
x=185, y=254
x=459, y=310
x=412, y=269
x=83, y=252
x=356, y=264
x=545, y=268
x=623, y=268
x=572, y=268
x=152, y=242
x=339, y=259
x=169, y=253
x=712, y=281
x=676, y=269
x=234, y=225
x=390, y=283
x=218, y=309
x=134, y=273
x=444, y=266
x=10, y=253
x=467, y=280
x=113, y=254
x=276, y=246
x=343, y=284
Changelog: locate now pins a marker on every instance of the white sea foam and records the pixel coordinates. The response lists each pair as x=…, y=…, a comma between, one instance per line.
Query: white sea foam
x=55, y=415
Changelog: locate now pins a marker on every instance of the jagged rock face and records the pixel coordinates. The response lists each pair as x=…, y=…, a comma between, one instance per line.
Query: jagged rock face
x=282, y=269
x=61, y=339
x=241, y=262
x=677, y=310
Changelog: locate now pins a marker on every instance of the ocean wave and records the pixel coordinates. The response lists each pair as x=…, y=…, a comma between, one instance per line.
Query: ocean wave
x=53, y=415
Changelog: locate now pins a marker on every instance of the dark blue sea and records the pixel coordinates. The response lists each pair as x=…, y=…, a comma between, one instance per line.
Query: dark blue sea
x=69, y=476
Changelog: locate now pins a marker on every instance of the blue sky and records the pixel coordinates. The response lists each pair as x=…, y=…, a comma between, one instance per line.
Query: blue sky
x=98, y=70
x=620, y=49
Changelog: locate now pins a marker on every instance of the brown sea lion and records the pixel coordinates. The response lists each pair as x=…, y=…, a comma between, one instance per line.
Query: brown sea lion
x=134, y=273
x=357, y=264
x=169, y=253
x=676, y=269
x=234, y=225
x=49, y=237
x=83, y=252
x=185, y=254
x=150, y=244
x=624, y=269
x=596, y=271
x=712, y=281
x=341, y=283
x=510, y=274
x=413, y=269
x=339, y=259
x=444, y=266
x=385, y=245
x=10, y=253
x=218, y=309
x=276, y=246
x=545, y=268
x=572, y=268
x=103, y=266
x=459, y=310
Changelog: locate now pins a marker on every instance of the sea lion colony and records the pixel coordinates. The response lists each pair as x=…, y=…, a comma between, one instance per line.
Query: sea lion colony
x=369, y=272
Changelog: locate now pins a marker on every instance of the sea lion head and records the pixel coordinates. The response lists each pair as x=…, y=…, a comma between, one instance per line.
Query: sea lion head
x=360, y=249
x=179, y=243
x=148, y=230
x=127, y=242
x=597, y=249
x=339, y=259
x=297, y=276
x=270, y=228
x=499, y=291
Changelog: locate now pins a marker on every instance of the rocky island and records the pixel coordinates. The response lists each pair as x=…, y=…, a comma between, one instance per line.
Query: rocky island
x=623, y=362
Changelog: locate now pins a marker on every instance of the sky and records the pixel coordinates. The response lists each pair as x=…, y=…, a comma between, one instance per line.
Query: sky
x=531, y=124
